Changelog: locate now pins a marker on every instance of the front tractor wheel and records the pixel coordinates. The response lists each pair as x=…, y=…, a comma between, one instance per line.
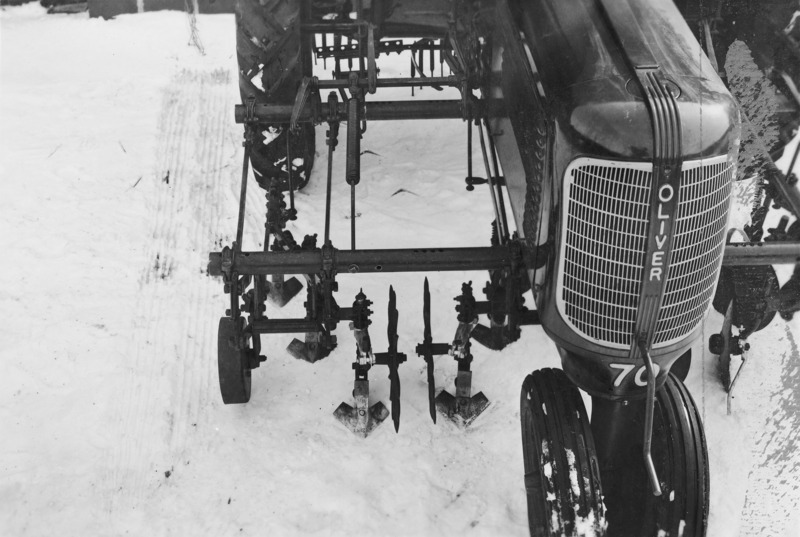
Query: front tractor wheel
x=562, y=477
x=680, y=456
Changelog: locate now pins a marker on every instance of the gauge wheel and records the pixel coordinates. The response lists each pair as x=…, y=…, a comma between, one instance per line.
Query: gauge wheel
x=562, y=478
x=233, y=362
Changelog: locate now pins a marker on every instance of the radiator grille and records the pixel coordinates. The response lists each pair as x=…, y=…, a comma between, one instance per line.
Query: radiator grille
x=604, y=235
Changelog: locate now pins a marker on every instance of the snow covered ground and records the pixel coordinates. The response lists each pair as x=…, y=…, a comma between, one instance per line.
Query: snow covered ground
x=119, y=172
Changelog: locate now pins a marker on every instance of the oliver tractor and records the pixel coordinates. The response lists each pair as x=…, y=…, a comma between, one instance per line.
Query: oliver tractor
x=611, y=135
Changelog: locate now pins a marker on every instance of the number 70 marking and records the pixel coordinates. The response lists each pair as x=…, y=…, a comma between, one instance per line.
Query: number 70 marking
x=624, y=369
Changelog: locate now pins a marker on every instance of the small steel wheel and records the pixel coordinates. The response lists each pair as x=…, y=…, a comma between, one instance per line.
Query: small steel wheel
x=233, y=363
x=562, y=476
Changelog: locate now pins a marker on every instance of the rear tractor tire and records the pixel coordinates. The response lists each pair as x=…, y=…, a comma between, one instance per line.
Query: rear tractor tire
x=272, y=62
x=562, y=476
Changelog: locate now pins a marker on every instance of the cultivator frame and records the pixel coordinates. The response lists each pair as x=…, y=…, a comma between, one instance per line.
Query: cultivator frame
x=457, y=35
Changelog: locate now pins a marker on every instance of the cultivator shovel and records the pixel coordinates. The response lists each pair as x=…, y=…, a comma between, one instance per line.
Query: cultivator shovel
x=361, y=418
x=464, y=407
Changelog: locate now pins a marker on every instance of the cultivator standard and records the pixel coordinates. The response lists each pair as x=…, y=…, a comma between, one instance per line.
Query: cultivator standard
x=618, y=143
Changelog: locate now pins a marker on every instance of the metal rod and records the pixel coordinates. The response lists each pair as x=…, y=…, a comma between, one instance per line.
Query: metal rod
x=648, y=419
x=733, y=383
x=324, y=44
x=372, y=68
x=289, y=170
x=242, y=197
x=761, y=253
x=329, y=27
x=307, y=42
x=412, y=71
x=371, y=261
x=788, y=192
x=496, y=184
x=331, y=146
x=353, y=217
x=349, y=58
x=353, y=163
x=469, y=149
x=397, y=32
x=360, y=20
x=791, y=85
x=500, y=226
x=337, y=43
x=372, y=111
x=794, y=160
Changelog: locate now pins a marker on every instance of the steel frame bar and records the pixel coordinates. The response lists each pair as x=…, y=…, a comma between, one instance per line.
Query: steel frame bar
x=366, y=261
x=373, y=111
x=285, y=326
x=445, y=259
x=403, y=82
x=761, y=253
x=330, y=27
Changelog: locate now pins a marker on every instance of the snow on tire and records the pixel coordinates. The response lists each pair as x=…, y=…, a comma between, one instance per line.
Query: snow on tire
x=562, y=478
x=680, y=456
x=271, y=66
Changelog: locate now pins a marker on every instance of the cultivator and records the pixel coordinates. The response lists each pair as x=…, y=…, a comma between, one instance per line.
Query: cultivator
x=618, y=151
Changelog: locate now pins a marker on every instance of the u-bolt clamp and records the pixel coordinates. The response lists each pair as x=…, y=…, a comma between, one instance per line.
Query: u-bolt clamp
x=308, y=86
x=250, y=110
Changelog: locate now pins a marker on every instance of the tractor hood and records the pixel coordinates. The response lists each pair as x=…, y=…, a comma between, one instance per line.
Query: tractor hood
x=607, y=119
x=591, y=81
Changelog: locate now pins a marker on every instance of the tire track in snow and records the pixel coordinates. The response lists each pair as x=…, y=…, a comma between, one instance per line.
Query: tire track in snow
x=171, y=375
x=773, y=495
